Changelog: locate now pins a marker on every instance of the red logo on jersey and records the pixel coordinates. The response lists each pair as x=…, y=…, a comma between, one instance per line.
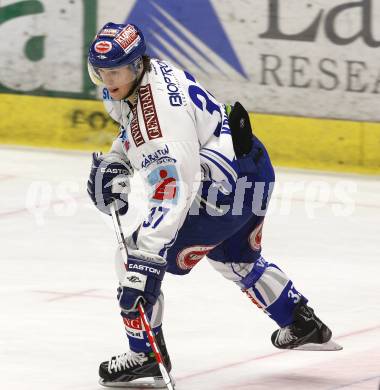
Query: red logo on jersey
x=167, y=188
x=152, y=124
x=135, y=324
x=127, y=38
x=190, y=257
x=135, y=128
x=103, y=47
x=255, y=237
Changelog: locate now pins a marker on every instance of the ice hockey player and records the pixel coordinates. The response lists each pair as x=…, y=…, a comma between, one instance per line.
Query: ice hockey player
x=208, y=181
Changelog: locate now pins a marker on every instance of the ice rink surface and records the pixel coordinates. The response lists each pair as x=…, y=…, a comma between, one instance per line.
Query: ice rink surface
x=59, y=315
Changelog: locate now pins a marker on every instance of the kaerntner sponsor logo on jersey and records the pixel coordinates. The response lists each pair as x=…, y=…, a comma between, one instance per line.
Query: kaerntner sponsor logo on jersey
x=197, y=42
x=160, y=156
x=149, y=112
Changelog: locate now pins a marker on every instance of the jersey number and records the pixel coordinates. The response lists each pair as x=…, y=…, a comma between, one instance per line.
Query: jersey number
x=200, y=97
x=155, y=217
x=294, y=296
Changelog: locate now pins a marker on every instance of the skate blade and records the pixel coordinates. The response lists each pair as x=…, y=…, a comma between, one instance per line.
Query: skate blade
x=329, y=346
x=143, y=383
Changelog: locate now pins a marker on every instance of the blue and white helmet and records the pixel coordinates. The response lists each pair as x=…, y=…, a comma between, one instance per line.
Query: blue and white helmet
x=114, y=46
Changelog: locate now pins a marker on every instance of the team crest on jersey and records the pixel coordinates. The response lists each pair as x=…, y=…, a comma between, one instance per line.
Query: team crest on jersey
x=103, y=47
x=255, y=237
x=188, y=258
x=128, y=38
x=164, y=182
x=149, y=112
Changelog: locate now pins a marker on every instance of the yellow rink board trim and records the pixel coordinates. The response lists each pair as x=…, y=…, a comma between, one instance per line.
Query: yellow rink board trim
x=322, y=144
x=55, y=122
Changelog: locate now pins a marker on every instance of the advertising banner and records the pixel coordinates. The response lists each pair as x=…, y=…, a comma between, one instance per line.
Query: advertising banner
x=308, y=71
x=299, y=57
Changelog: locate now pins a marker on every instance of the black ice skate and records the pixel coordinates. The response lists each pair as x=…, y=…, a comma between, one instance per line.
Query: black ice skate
x=137, y=370
x=307, y=332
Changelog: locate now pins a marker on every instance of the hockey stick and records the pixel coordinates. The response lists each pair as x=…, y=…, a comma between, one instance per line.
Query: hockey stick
x=152, y=340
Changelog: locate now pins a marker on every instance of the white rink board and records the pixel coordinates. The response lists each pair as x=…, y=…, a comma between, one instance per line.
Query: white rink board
x=290, y=68
x=59, y=318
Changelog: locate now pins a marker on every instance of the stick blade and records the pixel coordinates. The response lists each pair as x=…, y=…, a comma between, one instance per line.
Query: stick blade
x=329, y=346
x=169, y=381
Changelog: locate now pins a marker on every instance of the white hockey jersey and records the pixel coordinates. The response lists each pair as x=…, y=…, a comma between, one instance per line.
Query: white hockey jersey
x=176, y=136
